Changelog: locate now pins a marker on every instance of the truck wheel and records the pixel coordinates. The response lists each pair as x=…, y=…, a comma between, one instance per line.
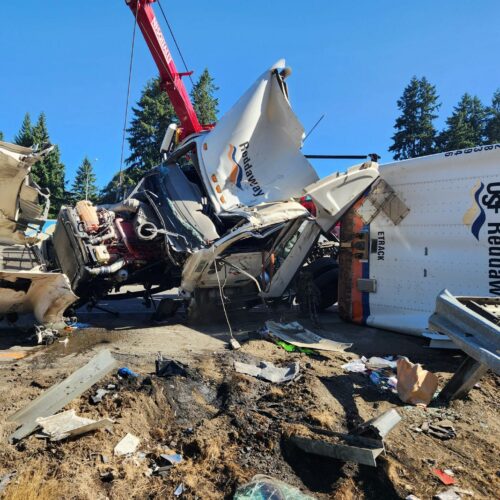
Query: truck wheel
x=327, y=284
x=321, y=266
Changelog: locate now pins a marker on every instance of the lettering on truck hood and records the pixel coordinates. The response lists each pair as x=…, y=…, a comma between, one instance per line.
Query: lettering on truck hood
x=253, y=153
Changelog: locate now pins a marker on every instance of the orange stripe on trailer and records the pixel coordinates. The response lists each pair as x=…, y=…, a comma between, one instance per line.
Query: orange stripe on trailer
x=357, y=272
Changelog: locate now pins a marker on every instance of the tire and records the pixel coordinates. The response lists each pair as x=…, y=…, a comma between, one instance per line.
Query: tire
x=321, y=266
x=327, y=284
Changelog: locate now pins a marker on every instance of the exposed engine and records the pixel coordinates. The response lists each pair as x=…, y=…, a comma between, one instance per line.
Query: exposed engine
x=102, y=248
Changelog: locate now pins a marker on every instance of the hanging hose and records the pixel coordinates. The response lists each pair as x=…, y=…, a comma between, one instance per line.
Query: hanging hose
x=106, y=270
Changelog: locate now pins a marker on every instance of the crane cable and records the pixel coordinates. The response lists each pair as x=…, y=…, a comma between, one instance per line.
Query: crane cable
x=128, y=96
x=175, y=41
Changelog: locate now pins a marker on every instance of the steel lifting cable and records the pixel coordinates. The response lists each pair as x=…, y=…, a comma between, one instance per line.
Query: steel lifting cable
x=175, y=41
x=128, y=96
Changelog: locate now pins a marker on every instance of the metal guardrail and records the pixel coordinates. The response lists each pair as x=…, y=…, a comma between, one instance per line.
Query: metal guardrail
x=472, y=323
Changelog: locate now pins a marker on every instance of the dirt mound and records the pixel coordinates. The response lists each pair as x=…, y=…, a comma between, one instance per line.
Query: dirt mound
x=229, y=427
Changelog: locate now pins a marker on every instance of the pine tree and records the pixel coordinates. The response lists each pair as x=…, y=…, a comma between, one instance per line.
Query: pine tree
x=84, y=185
x=415, y=133
x=49, y=171
x=493, y=120
x=204, y=100
x=25, y=135
x=153, y=114
x=1, y=135
x=151, y=117
x=466, y=126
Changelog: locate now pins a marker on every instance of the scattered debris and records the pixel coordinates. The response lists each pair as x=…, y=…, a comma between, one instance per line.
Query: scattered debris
x=97, y=397
x=356, y=366
x=169, y=367
x=294, y=333
x=442, y=430
x=293, y=348
x=179, y=490
x=355, y=447
x=58, y=396
x=380, y=370
x=446, y=479
x=6, y=479
x=449, y=494
x=127, y=445
x=235, y=345
x=126, y=372
x=172, y=458
x=265, y=487
x=68, y=424
x=107, y=476
x=13, y=355
x=380, y=426
x=375, y=363
x=267, y=371
x=415, y=385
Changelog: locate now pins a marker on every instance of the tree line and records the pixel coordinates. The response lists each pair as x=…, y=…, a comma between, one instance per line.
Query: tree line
x=150, y=119
x=470, y=124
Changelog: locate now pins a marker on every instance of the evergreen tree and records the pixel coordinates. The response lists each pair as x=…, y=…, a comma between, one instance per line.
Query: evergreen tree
x=204, y=101
x=25, y=134
x=493, y=120
x=151, y=117
x=466, y=126
x=153, y=114
x=84, y=185
x=1, y=135
x=49, y=171
x=115, y=190
x=415, y=133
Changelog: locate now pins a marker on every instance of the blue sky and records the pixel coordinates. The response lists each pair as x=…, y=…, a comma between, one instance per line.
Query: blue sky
x=350, y=60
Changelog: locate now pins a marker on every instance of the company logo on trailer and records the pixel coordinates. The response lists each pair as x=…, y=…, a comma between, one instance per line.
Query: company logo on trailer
x=475, y=217
x=487, y=198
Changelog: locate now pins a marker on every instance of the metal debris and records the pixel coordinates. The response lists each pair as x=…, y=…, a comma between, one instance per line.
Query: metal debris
x=58, y=396
x=68, y=424
x=6, y=479
x=179, y=490
x=356, y=447
x=127, y=445
x=97, y=397
x=268, y=371
x=294, y=333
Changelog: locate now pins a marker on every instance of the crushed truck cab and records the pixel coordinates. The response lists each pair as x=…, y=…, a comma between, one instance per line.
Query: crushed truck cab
x=222, y=210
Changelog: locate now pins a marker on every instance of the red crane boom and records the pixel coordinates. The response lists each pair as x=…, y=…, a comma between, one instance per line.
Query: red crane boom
x=171, y=79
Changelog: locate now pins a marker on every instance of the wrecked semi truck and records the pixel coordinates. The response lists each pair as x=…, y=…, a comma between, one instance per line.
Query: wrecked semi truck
x=220, y=219
x=220, y=213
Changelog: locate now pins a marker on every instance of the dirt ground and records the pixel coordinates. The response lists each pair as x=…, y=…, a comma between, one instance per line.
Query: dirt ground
x=228, y=426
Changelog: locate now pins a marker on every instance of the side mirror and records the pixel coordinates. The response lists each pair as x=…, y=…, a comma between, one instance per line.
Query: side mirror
x=168, y=139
